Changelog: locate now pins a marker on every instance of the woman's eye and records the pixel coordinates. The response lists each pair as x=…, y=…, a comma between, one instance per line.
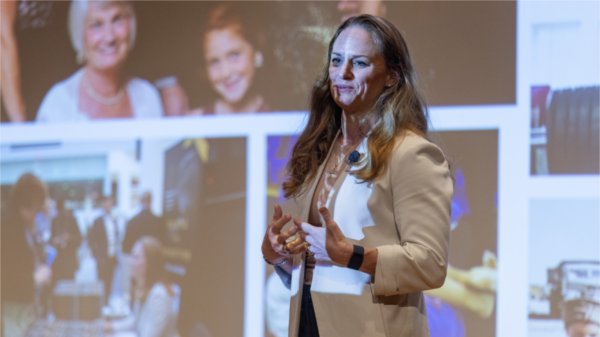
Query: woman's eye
x=213, y=62
x=95, y=24
x=335, y=61
x=360, y=64
x=118, y=18
x=234, y=55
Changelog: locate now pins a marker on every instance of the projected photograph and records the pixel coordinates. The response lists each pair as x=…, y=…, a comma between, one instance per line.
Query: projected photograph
x=564, y=288
x=565, y=126
x=466, y=304
x=565, y=104
x=62, y=63
x=114, y=237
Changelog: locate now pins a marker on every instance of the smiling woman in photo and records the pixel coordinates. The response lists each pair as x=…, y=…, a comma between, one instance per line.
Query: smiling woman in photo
x=102, y=34
x=232, y=59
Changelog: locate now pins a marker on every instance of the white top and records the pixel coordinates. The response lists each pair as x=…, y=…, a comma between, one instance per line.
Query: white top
x=155, y=317
x=61, y=103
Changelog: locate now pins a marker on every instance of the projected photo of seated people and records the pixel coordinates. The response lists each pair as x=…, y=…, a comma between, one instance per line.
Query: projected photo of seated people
x=102, y=34
x=232, y=61
x=152, y=312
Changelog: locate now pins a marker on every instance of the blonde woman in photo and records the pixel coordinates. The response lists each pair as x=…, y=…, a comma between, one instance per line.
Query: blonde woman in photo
x=103, y=35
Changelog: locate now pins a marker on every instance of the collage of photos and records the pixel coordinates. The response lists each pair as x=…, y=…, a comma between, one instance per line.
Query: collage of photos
x=565, y=130
x=89, y=60
x=565, y=105
x=564, y=284
x=122, y=233
x=145, y=143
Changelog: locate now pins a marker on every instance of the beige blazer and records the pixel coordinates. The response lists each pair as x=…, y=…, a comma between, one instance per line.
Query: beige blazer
x=405, y=213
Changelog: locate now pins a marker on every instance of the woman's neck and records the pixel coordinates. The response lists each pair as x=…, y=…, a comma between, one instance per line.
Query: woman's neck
x=106, y=83
x=356, y=127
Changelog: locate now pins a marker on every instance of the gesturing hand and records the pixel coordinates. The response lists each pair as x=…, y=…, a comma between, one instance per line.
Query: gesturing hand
x=280, y=243
x=327, y=242
x=316, y=238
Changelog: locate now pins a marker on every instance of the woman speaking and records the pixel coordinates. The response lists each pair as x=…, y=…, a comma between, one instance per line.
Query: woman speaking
x=366, y=224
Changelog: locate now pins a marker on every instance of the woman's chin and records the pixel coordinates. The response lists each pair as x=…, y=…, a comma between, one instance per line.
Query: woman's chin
x=232, y=99
x=108, y=66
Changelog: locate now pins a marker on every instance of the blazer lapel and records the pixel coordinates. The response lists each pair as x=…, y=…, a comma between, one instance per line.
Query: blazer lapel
x=304, y=202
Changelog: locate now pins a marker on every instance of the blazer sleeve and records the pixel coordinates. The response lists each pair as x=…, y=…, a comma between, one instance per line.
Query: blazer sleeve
x=422, y=187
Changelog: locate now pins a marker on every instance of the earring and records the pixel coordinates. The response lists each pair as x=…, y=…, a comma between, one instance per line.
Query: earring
x=258, y=59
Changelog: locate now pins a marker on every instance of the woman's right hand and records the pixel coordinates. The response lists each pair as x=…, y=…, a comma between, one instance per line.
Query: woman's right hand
x=281, y=244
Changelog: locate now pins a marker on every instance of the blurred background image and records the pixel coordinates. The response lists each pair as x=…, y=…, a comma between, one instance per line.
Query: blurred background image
x=115, y=231
x=143, y=146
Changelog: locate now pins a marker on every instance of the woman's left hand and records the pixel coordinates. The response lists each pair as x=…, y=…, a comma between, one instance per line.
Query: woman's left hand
x=335, y=246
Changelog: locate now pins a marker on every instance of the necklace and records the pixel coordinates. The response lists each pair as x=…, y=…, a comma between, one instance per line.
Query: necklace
x=96, y=96
x=338, y=162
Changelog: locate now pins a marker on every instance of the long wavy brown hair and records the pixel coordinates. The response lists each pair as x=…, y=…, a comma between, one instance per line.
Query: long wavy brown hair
x=400, y=107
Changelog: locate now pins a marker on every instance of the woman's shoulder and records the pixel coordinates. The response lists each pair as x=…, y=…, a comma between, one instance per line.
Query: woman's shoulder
x=145, y=98
x=141, y=85
x=60, y=102
x=411, y=145
x=410, y=140
x=68, y=86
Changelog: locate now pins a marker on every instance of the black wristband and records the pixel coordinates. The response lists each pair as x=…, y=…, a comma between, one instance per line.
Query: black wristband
x=357, y=257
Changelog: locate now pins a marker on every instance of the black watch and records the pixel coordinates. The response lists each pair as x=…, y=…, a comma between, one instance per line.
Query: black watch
x=357, y=257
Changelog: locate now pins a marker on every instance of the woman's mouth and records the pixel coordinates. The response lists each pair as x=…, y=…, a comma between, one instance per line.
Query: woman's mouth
x=232, y=84
x=344, y=88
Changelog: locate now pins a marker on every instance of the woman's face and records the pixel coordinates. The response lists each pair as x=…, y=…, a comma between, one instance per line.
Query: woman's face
x=106, y=36
x=138, y=262
x=357, y=71
x=229, y=63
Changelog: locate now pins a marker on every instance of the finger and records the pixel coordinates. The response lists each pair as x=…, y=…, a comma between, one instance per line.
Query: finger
x=300, y=248
x=331, y=226
x=278, y=224
x=294, y=241
x=286, y=234
x=326, y=214
x=297, y=222
x=277, y=212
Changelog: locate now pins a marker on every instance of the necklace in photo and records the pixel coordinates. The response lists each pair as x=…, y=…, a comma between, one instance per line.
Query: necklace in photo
x=96, y=96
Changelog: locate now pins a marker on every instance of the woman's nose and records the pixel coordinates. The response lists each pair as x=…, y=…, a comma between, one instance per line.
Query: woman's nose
x=346, y=70
x=220, y=71
x=227, y=69
x=109, y=33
